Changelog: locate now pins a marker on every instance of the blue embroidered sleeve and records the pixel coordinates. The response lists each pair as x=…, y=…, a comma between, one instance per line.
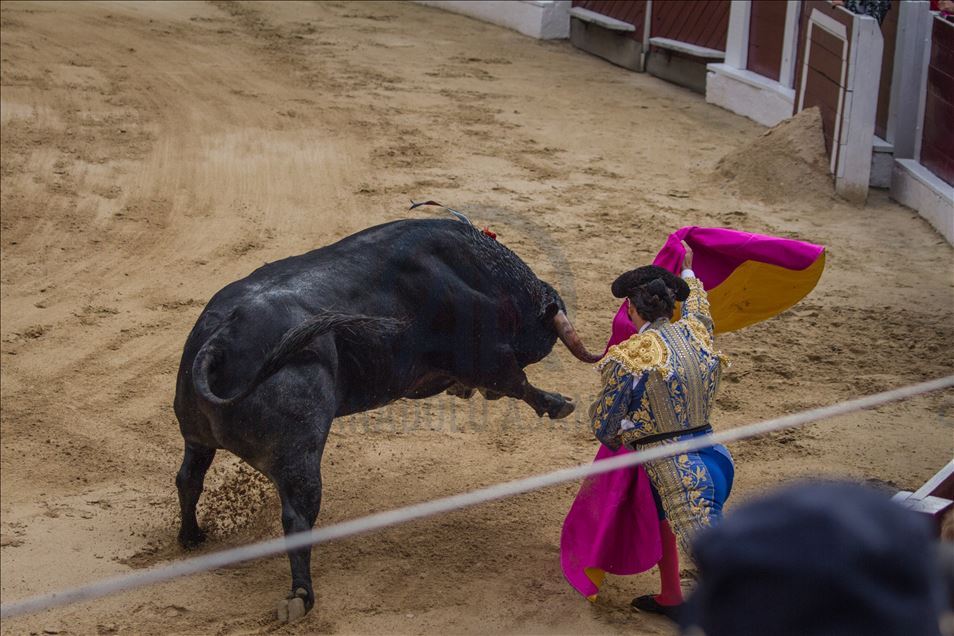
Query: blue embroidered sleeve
x=612, y=405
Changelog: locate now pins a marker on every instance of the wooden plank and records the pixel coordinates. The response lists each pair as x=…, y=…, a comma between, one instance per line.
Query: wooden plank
x=828, y=41
x=940, y=485
x=941, y=138
x=939, y=124
x=712, y=32
x=942, y=33
x=826, y=62
x=628, y=12
x=612, y=8
x=822, y=90
x=700, y=22
x=940, y=83
x=672, y=18
x=665, y=17
x=636, y=15
x=942, y=57
x=937, y=146
x=826, y=102
x=693, y=27
x=935, y=160
x=808, y=6
x=705, y=30
x=607, y=8
x=720, y=32
x=933, y=507
x=936, y=108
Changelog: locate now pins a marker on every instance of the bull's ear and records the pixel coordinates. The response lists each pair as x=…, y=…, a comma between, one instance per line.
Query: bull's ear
x=549, y=311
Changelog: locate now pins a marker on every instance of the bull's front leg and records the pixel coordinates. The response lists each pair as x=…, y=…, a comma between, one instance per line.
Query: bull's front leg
x=546, y=402
x=511, y=380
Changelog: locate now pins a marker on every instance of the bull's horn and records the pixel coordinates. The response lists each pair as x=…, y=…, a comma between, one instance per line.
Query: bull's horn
x=570, y=338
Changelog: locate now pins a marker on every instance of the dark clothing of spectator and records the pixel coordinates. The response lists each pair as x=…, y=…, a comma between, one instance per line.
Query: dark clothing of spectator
x=877, y=9
x=818, y=559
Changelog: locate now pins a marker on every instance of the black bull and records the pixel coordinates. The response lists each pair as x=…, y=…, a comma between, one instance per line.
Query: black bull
x=406, y=309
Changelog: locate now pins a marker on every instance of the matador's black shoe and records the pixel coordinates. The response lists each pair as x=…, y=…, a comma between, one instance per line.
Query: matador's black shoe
x=648, y=603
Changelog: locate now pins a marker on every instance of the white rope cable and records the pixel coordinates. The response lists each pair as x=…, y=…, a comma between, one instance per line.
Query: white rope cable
x=186, y=567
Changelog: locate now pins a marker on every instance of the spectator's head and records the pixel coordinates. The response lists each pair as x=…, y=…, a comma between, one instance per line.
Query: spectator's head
x=819, y=559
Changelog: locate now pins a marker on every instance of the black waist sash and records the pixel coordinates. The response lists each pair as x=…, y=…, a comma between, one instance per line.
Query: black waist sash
x=658, y=437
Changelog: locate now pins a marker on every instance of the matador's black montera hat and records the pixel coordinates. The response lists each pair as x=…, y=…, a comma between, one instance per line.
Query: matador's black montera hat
x=626, y=284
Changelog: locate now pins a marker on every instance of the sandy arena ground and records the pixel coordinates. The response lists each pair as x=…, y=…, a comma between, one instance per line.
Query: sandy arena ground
x=154, y=152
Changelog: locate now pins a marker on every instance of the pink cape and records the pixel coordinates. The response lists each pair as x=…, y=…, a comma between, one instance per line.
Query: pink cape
x=612, y=525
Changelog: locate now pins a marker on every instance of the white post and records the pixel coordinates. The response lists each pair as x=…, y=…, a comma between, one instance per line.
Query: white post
x=922, y=85
x=737, y=40
x=647, y=32
x=786, y=74
x=853, y=172
x=910, y=71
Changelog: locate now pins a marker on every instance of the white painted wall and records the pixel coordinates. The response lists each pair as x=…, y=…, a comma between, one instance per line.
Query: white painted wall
x=541, y=19
x=917, y=187
x=750, y=94
x=907, y=86
x=911, y=182
x=856, y=138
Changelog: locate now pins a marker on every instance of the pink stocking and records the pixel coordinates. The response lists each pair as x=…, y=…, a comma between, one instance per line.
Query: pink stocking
x=669, y=583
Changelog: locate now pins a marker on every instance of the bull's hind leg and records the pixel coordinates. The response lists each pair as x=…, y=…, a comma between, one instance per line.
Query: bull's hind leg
x=299, y=486
x=189, y=480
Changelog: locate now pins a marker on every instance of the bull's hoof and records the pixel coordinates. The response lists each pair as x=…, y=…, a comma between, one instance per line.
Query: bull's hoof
x=562, y=410
x=490, y=394
x=190, y=540
x=459, y=390
x=293, y=608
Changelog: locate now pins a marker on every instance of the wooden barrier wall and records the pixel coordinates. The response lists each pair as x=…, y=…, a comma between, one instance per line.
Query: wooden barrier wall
x=700, y=22
x=937, y=142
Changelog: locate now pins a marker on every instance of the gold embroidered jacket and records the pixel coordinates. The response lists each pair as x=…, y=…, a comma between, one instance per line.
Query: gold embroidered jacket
x=662, y=380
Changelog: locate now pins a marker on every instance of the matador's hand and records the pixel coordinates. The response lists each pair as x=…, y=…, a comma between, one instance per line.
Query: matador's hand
x=687, y=259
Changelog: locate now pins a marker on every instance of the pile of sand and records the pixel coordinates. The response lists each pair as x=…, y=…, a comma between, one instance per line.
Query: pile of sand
x=787, y=161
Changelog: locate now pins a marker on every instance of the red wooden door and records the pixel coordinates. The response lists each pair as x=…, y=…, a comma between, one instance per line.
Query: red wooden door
x=766, y=37
x=937, y=143
x=825, y=71
x=700, y=22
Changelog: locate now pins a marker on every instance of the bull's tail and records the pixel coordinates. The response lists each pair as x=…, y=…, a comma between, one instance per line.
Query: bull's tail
x=349, y=326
